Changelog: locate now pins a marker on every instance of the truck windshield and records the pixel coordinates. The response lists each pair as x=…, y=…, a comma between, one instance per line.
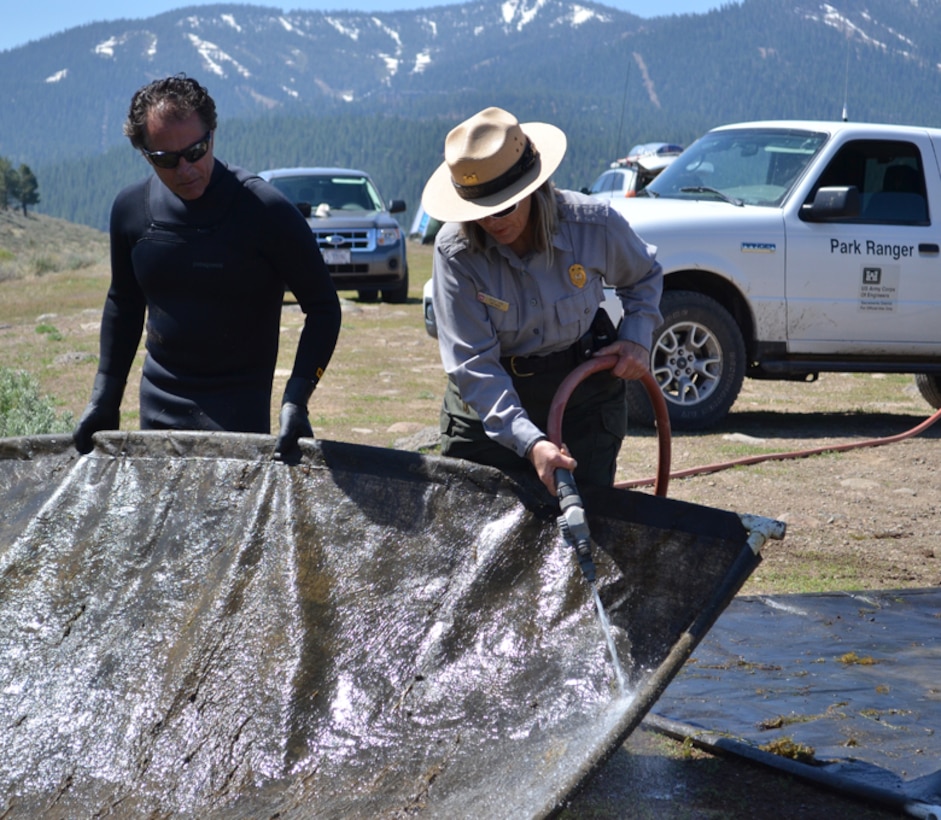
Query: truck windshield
x=749, y=166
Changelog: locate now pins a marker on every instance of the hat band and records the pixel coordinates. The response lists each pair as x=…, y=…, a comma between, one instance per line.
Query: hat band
x=526, y=161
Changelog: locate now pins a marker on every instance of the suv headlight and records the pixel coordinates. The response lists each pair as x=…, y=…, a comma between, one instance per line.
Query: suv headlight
x=387, y=236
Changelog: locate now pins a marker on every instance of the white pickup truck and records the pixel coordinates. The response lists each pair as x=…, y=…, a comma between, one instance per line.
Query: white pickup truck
x=791, y=248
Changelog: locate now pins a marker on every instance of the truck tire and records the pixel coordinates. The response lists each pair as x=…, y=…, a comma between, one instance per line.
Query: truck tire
x=697, y=358
x=929, y=385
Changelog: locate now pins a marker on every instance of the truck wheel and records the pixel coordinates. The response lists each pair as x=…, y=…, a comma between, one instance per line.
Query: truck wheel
x=929, y=385
x=698, y=359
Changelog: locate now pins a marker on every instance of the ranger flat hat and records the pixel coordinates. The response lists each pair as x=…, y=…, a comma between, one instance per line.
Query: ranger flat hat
x=491, y=161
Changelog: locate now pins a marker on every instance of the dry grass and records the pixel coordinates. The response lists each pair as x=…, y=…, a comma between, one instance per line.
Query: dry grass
x=35, y=245
x=384, y=381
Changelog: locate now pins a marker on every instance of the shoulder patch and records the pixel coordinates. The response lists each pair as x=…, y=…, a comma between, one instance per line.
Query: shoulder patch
x=581, y=208
x=450, y=240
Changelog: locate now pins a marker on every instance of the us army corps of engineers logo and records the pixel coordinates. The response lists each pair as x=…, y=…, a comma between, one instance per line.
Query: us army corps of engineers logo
x=878, y=290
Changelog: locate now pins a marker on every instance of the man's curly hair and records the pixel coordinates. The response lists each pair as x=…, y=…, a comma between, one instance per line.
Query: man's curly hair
x=179, y=96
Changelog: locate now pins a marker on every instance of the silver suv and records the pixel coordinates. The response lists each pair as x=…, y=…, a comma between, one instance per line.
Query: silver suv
x=360, y=240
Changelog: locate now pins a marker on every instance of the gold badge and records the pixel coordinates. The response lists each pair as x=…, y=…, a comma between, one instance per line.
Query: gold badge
x=578, y=276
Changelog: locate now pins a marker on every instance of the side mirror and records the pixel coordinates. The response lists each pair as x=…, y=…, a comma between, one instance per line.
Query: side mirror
x=833, y=204
x=396, y=206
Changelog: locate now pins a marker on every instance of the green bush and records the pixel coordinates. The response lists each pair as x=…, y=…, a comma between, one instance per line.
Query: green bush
x=43, y=264
x=50, y=330
x=23, y=411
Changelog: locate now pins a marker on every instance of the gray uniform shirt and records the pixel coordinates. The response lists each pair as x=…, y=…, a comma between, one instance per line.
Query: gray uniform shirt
x=493, y=304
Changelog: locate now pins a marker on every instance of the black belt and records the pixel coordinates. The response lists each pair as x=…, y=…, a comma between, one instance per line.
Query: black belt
x=562, y=361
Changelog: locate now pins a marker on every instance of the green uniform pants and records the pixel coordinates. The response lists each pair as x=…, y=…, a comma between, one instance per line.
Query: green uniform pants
x=593, y=426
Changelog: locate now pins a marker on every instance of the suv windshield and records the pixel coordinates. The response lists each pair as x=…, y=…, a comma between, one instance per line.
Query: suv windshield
x=330, y=192
x=752, y=166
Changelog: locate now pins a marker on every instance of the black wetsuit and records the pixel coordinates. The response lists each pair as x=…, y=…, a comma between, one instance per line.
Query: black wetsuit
x=210, y=274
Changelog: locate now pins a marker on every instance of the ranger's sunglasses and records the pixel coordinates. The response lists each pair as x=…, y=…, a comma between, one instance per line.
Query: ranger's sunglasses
x=170, y=159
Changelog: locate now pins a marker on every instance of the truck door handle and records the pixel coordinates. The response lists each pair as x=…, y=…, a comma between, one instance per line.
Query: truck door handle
x=928, y=247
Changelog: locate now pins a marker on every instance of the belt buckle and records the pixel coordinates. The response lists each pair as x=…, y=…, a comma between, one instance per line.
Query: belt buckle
x=515, y=372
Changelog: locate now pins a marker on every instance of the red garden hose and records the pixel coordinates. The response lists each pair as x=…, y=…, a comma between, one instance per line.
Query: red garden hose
x=586, y=369
x=794, y=454
x=660, y=481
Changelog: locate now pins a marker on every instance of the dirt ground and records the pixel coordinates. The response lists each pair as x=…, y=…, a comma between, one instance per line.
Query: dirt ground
x=866, y=518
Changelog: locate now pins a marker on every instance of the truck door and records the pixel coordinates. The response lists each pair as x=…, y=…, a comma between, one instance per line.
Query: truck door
x=870, y=284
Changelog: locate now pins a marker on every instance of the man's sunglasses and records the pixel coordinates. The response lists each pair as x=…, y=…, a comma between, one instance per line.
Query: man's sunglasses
x=170, y=159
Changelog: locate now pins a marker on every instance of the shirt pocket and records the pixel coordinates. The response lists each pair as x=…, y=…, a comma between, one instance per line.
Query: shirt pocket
x=575, y=313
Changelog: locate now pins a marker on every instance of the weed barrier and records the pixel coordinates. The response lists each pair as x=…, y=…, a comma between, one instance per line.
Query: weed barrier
x=842, y=689
x=189, y=627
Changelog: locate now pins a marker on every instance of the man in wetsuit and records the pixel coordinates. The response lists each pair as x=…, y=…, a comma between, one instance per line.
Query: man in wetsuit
x=206, y=251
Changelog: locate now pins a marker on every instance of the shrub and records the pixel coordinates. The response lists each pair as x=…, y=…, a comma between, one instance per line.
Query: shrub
x=23, y=411
x=51, y=331
x=43, y=264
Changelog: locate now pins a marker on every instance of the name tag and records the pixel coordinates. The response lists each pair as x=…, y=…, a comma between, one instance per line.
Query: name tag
x=492, y=301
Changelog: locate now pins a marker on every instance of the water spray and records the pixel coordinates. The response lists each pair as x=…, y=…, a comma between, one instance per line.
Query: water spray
x=574, y=528
x=572, y=522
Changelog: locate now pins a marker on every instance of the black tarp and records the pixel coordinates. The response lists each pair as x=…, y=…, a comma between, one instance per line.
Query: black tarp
x=191, y=628
x=849, y=682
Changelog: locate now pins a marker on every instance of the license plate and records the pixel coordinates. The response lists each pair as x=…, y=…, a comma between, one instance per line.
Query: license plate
x=337, y=256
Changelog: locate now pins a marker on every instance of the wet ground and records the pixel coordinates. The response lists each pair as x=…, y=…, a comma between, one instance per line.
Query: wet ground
x=653, y=776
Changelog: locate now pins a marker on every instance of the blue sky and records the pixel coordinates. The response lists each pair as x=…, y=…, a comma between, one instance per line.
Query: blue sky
x=33, y=19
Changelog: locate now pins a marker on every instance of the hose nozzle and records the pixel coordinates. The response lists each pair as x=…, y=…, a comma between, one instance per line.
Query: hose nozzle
x=573, y=524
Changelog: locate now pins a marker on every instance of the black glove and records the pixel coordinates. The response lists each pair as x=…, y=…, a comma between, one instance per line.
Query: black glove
x=294, y=421
x=102, y=413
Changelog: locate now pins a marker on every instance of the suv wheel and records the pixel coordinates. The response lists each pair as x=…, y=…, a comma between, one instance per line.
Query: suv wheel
x=929, y=385
x=698, y=359
x=399, y=294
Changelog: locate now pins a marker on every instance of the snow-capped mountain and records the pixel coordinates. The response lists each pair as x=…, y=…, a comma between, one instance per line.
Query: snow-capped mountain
x=66, y=95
